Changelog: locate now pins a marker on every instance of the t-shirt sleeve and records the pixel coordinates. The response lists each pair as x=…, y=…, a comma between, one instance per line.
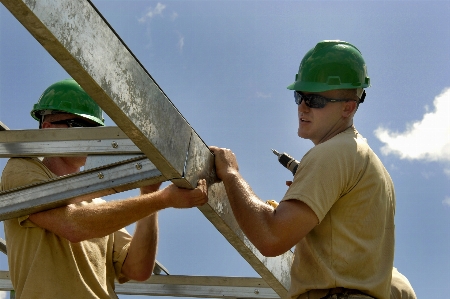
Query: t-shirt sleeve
x=321, y=179
x=122, y=240
x=20, y=172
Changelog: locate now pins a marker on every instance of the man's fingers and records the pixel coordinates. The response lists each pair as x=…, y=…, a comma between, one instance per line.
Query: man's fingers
x=203, y=196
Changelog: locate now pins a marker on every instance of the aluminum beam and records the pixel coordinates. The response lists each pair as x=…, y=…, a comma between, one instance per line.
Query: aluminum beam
x=63, y=142
x=39, y=135
x=274, y=270
x=186, y=286
x=68, y=148
x=89, y=184
x=5, y=281
x=78, y=37
x=3, y=127
x=3, y=246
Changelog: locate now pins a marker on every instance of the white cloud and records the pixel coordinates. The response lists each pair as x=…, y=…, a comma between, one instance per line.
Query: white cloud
x=427, y=139
x=447, y=172
x=151, y=12
x=446, y=201
x=174, y=16
x=2, y=295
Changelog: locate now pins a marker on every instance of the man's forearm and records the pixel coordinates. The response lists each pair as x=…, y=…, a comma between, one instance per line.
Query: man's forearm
x=141, y=255
x=81, y=222
x=273, y=232
x=253, y=215
x=86, y=221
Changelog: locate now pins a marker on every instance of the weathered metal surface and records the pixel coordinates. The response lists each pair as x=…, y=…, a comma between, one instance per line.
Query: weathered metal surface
x=5, y=281
x=68, y=148
x=186, y=286
x=274, y=270
x=37, y=135
x=63, y=142
x=76, y=35
x=199, y=162
x=196, y=291
x=88, y=184
x=200, y=287
x=102, y=160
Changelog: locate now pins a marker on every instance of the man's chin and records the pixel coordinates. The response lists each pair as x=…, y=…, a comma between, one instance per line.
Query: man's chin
x=301, y=134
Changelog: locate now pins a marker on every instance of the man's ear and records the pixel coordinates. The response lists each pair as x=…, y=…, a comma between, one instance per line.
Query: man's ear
x=46, y=125
x=349, y=108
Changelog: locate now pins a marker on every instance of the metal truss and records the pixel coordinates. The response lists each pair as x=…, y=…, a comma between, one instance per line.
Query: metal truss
x=84, y=44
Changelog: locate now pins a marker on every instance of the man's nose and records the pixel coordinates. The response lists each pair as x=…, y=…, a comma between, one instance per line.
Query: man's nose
x=302, y=107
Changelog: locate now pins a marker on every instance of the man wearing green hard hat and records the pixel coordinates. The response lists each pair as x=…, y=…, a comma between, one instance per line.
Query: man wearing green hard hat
x=79, y=250
x=339, y=209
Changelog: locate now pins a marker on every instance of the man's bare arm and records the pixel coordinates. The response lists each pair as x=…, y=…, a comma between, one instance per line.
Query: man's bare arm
x=81, y=222
x=272, y=231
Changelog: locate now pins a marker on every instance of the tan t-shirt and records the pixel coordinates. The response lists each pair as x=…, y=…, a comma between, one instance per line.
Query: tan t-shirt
x=352, y=194
x=43, y=265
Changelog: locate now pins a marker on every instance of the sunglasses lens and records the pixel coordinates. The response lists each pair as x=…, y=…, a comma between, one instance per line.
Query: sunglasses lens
x=316, y=101
x=311, y=100
x=78, y=123
x=297, y=97
x=74, y=123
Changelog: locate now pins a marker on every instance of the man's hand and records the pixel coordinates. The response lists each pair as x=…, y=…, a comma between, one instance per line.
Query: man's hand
x=225, y=161
x=185, y=198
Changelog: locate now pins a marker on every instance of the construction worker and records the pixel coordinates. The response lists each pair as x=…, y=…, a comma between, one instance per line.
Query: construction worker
x=400, y=286
x=78, y=250
x=339, y=210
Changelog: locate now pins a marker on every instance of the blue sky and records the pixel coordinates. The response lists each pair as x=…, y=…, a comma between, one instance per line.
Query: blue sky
x=226, y=64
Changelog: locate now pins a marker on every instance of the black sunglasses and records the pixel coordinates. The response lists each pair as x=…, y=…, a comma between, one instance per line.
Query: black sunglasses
x=315, y=100
x=75, y=123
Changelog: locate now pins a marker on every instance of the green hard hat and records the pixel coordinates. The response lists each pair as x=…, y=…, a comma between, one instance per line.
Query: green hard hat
x=331, y=64
x=67, y=96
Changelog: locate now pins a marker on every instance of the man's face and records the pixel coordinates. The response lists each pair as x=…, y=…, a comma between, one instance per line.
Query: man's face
x=321, y=124
x=57, y=121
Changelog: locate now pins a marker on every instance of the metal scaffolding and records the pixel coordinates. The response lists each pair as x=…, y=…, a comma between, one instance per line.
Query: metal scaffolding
x=152, y=143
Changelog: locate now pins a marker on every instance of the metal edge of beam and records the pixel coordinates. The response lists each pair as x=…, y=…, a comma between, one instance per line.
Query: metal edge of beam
x=274, y=270
x=197, y=291
x=39, y=135
x=186, y=286
x=3, y=127
x=84, y=185
x=78, y=37
x=199, y=162
x=69, y=148
x=158, y=268
x=3, y=246
x=63, y=142
x=254, y=282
